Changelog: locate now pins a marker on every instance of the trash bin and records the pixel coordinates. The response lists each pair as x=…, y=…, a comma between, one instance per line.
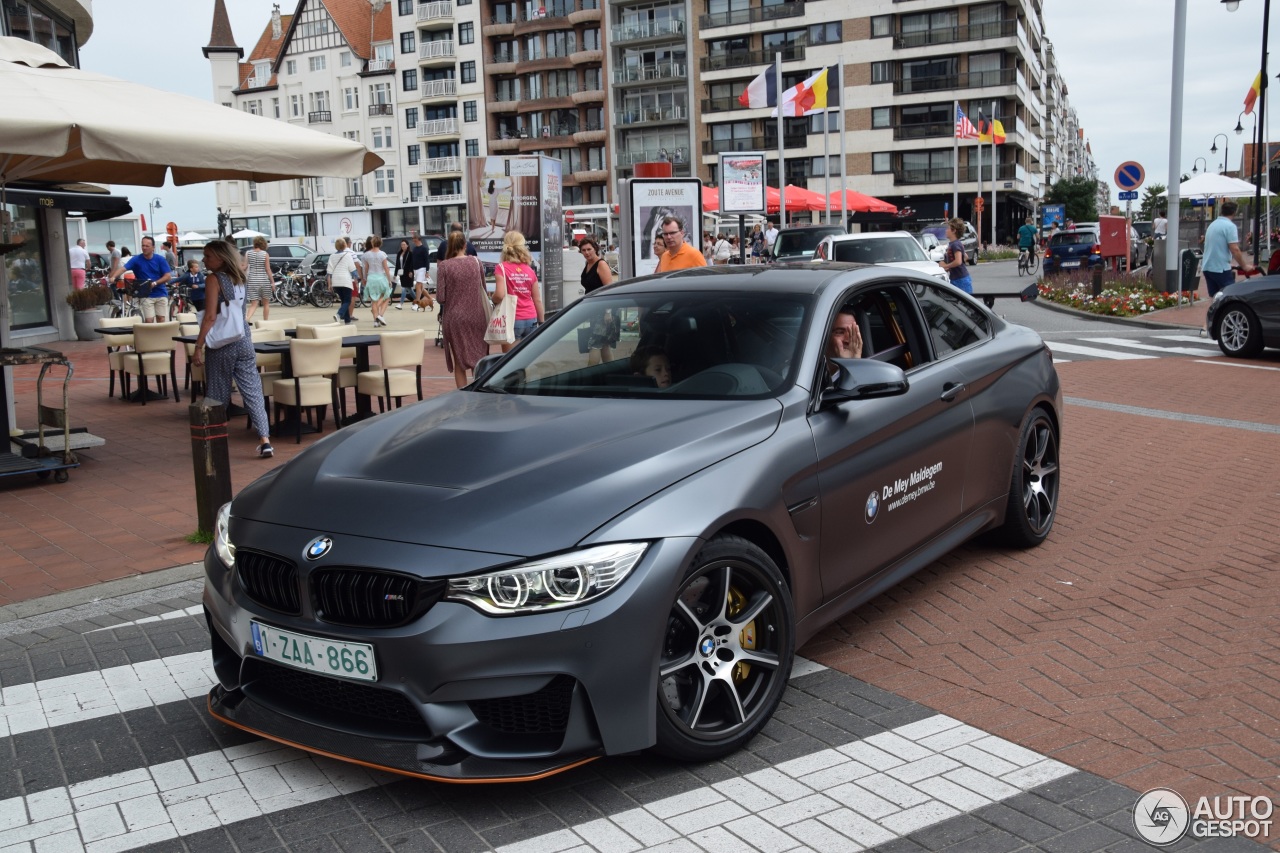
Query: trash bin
x=1189, y=268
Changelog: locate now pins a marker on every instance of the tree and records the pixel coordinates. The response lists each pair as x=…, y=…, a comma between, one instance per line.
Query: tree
x=1079, y=195
x=1151, y=202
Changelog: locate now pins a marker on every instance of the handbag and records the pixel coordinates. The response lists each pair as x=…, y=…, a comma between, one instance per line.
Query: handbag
x=228, y=326
x=485, y=301
x=502, y=322
x=141, y=288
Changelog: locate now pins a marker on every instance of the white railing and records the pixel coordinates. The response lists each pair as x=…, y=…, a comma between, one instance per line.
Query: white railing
x=437, y=127
x=438, y=88
x=440, y=164
x=660, y=71
x=257, y=81
x=439, y=10
x=445, y=198
x=436, y=50
x=381, y=64
x=649, y=29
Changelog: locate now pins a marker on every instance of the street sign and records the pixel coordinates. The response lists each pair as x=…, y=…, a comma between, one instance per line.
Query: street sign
x=568, y=217
x=1131, y=195
x=1130, y=175
x=979, y=204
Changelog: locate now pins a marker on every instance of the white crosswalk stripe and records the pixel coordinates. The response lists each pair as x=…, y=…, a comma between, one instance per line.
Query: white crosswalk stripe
x=194, y=610
x=1125, y=342
x=1196, y=339
x=1077, y=349
x=1122, y=349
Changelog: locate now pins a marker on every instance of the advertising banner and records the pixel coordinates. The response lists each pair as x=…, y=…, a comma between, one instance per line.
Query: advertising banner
x=552, y=235
x=502, y=196
x=742, y=182
x=648, y=202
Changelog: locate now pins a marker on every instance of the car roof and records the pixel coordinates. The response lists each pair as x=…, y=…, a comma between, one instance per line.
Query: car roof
x=799, y=279
x=871, y=235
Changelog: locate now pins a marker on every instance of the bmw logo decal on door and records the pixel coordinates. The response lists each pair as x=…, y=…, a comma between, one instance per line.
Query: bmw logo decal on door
x=318, y=547
x=873, y=507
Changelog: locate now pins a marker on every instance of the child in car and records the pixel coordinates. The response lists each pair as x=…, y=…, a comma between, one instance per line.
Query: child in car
x=652, y=362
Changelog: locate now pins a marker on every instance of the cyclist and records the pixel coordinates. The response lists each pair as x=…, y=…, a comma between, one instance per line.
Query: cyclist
x=1026, y=241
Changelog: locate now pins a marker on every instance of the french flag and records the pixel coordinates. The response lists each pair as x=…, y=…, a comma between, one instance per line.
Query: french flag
x=762, y=91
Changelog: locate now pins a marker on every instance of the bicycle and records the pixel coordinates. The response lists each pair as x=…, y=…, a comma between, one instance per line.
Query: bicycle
x=1028, y=261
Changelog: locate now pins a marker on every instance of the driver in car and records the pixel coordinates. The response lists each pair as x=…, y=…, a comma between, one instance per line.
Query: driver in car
x=846, y=338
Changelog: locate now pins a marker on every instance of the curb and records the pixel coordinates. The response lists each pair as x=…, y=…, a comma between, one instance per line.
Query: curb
x=1119, y=321
x=99, y=591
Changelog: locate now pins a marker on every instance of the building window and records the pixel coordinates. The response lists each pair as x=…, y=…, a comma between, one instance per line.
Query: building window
x=384, y=51
x=819, y=164
x=881, y=162
x=473, y=147
x=380, y=93
x=354, y=136
x=316, y=63
x=253, y=108
x=409, y=79
x=384, y=181
x=253, y=191
x=466, y=33
x=415, y=154
x=295, y=106
x=28, y=280
x=415, y=190
x=828, y=33
x=344, y=59
x=381, y=138
x=319, y=102
x=464, y=2
x=407, y=42
x=881, y=117
x=469, y=72
x=354, y=186
x=881, y=72
x=411, y=117
x=881, y=26
x=468, y=110
x=350, y=99
x=291, y=66
x=406, y=7
x=275, y=107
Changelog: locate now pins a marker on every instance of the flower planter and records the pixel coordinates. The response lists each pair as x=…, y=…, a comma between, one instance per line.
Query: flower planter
x=86, y=322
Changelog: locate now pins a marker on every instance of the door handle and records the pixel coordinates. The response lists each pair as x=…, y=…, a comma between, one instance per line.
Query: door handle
x=952, y=390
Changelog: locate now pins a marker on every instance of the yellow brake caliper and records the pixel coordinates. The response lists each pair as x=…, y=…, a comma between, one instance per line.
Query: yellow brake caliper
x=737, y=602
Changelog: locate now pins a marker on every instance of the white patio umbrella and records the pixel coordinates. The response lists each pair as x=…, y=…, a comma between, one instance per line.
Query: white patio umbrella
x=193, y=237
x=1213, y=186
x=247, y=234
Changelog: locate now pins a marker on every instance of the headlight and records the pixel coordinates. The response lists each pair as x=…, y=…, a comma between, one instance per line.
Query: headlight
x=222, y=536
x=566, y=580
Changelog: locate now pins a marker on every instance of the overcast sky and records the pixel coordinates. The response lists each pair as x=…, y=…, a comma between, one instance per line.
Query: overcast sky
x=1115, y=55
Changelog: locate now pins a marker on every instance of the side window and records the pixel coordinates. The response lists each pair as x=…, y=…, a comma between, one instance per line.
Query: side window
x=885, y=321
x=953, y=323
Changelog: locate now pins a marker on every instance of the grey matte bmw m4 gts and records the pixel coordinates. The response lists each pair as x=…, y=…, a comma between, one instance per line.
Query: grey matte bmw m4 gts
x=587, y=553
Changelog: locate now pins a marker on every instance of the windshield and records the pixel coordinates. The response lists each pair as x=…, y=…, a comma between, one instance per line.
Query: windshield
x=1074, y=238
x=879, y=250
x=704, y=345
x=797, y=242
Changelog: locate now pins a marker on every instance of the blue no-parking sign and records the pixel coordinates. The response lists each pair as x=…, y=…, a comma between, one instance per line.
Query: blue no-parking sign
x=1131, y=195
x=1130, y=175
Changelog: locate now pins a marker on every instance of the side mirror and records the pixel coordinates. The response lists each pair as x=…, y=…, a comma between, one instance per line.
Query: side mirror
x=486, y=364
x=864, y=379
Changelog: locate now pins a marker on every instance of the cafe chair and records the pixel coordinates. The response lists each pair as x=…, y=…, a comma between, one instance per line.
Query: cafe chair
x=116, y=345
x=315, y=366
x=401, y=371
x=346, y=372
x=284, y=324
x=194, y=379
x=269, y=362
x=154, y=354
x=186, y=317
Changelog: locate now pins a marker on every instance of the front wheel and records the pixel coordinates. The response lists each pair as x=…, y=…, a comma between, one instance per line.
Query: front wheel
x=726, y=653
x=1238, y=333
x=321, y=297
x=1033, y=492
x=1033, y=261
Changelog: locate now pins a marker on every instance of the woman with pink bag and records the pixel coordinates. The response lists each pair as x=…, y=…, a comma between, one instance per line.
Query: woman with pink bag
x=515, y=276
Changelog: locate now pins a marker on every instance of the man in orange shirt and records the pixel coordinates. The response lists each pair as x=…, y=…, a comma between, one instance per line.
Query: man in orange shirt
x=679, y=255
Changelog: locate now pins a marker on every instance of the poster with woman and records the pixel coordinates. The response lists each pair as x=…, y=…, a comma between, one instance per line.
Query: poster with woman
x=502, y=196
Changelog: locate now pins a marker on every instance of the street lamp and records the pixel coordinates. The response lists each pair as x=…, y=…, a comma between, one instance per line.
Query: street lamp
x=1196, y=171
x=152, y=206
x=1214, y=150
x=1232, y=5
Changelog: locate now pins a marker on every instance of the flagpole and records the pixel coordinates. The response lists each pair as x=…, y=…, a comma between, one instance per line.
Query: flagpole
x=826, y=157
x=844, y=192
x=979, y=213
x=994, y=160
x=782, y=166
x=955, y=159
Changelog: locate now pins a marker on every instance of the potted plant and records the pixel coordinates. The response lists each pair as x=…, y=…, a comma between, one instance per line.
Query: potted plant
x=87, y=304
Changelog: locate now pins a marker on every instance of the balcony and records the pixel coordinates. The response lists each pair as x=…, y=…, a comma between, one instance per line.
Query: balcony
x=438, y=127
x=754, y=15
x=590, y=93
x=945, y=174
x=654, y=115
x=299, y=204
x=649, y=73
x=382, y=109
x=429, y=89
x=440, y=10
x=430, y=51
x=446, y=198
x=502, y=104
x=437, y=165
x=258, y=81
x=585, y=16
x=944, y=82
x=648, y=31
x=746, y=58
x=590, y=176
x=380, y=65
x=319, y=116
x=354, y=201
x=719, y=105
x=953, y=35
x=677, y=156
x=930, y=130
x=503, y=62
x=754, y=143
x=591, y=136
x=499, y=26
x=504, y=145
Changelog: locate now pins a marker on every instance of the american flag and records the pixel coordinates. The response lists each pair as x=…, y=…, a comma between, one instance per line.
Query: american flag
x=964, y=127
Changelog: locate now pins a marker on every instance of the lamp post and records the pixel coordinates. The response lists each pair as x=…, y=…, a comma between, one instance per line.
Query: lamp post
x=1225, y=146
x=152, y=207
x=1258, y=161
x=1196, y=171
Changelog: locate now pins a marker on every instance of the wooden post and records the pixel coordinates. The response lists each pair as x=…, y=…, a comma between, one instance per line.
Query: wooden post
x=210, y=460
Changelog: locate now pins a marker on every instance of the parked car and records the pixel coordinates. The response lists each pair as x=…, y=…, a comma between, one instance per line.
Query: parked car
x=969, y=239
x=933, y=247
x=288, y=255
x=1068, y=250
x=796, y=245
x=888, y=248
x=1245, y=317
x=605, y=561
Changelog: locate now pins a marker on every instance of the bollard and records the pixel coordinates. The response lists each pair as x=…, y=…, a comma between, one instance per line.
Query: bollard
x=1097, y=281
x=210, y=460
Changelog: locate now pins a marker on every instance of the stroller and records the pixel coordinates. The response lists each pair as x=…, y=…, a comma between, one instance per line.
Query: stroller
x=440, y=326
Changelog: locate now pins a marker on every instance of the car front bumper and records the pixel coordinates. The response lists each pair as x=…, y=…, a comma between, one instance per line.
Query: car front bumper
x=460, y=695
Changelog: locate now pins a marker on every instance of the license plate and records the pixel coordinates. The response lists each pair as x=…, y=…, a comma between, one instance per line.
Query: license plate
x=1066, y=265
x=315, y=654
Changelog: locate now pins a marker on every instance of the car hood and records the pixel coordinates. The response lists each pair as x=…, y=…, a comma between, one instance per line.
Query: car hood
x=499, y=473
x=926, y=267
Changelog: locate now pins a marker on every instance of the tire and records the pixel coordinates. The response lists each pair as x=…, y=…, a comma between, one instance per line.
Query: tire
x=321, y=297
x=288, y=295
x=1238, y=332
x=1022, y=266
x=1033, y=492
x=1033, y=262
x=726, y=653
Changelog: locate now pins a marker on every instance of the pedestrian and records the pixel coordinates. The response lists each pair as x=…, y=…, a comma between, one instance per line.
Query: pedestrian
x=194, y=280
x=722, y=250
x=167, y=248
x=953, y=260
x=444, y=244
x=421, y=266
x=515, y=275
x=757, y=243
x=114, y=258
x=1160, y=226
x=377, y=278
x=708, y=247
x=257, y=266
x=341, y=275
x=404, y=272
x=234, y=360
x=79, y=259
x=604, y=328
x=149, y=265
x=679, y=254
x=460, y=288
x=1221, y=246
x=1026, y=238
x=770, y=237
